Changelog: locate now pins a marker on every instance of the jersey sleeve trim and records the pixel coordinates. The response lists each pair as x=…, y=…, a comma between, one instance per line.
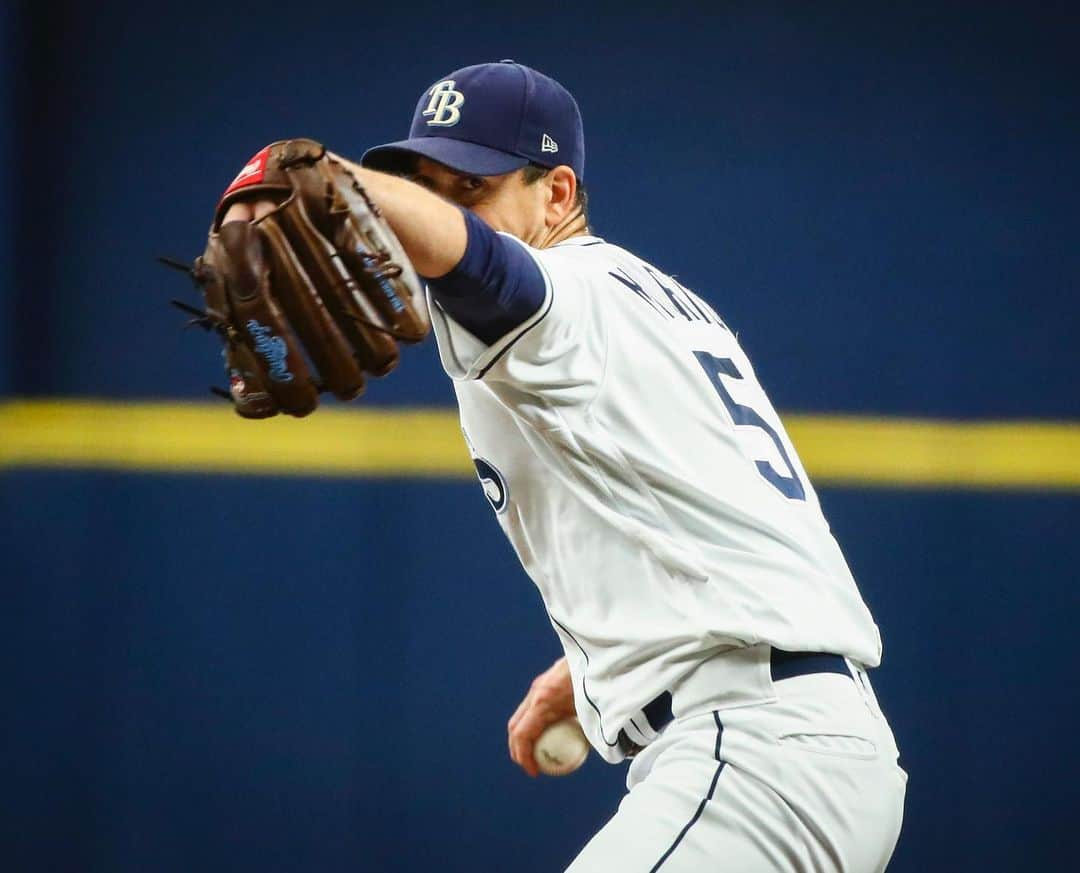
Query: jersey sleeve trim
x=540, y=315
x=496, y=286
x=466, y=356
x=497, y=350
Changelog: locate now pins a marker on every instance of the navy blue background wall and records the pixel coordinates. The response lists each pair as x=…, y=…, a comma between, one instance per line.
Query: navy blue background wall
x=881, y=200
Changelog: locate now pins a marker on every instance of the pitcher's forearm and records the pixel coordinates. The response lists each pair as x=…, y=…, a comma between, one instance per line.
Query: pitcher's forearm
x=431, y=229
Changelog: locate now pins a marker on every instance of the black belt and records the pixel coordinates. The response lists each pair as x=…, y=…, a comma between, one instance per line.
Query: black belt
x=782, y=665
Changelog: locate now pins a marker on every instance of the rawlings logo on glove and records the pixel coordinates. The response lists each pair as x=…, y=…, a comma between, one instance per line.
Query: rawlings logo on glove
x=253, y=172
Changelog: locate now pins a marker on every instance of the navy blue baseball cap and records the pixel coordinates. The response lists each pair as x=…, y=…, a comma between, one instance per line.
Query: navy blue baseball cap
x=490, y=119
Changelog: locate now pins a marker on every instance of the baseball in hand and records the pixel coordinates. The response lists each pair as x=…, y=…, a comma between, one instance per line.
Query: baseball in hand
x=562, y=748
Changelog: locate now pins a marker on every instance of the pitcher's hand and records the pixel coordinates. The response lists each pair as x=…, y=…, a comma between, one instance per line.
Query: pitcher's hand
x=550, y=699
x=243, y=210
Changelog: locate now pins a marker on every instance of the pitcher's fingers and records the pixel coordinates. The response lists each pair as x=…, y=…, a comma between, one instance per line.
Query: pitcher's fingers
x=510, y=730
x=523, y=757
x=519, y=748
x=515, y=720
x=519, y=712
x=528, y=731
x=239, y=211
x=263, y=207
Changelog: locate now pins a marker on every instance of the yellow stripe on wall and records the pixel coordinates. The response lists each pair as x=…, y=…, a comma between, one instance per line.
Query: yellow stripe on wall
x=179, y=437
x=210, y=438
x=844, y=450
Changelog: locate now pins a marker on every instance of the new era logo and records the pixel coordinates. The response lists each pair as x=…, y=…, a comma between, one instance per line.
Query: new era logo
x=547, y=144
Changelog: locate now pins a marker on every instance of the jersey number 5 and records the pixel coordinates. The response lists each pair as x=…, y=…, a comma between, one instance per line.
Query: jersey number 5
x=715, y=368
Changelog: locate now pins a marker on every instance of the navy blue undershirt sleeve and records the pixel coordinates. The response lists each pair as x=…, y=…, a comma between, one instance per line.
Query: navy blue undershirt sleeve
x=495, y=287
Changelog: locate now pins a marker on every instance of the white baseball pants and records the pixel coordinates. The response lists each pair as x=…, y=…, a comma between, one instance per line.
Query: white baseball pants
x=806, y=782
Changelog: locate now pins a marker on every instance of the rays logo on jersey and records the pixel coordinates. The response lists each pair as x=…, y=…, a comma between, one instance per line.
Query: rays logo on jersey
x=493, y=483
x=445, y=104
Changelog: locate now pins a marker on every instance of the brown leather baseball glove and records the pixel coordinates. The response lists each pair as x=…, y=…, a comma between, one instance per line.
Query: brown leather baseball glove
x=310, y=297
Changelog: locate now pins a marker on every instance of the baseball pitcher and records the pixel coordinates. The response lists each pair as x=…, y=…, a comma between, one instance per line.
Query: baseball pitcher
x=712, y=630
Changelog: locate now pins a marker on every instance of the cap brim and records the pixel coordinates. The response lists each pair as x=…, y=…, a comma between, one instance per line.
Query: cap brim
x=465, y=157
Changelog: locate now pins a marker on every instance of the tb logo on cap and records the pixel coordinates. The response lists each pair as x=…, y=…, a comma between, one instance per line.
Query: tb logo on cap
x=445, y=104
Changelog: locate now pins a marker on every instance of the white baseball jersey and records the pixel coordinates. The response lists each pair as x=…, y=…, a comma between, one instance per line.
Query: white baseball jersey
x=650, y=491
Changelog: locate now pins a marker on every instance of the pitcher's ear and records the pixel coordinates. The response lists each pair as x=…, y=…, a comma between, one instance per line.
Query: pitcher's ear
x=563, y=186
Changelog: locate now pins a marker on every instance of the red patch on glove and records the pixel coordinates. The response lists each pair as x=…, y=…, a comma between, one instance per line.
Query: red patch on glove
x=251, y=174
